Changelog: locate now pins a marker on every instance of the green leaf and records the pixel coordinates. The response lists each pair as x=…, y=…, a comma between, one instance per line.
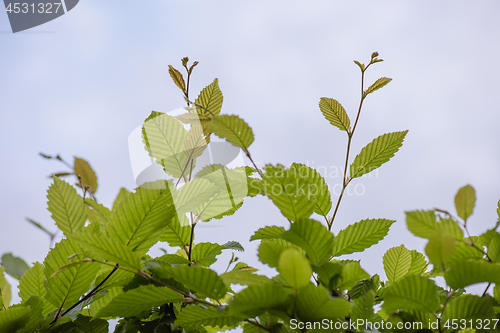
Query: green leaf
x=14, y=266
x=205, y=253
x=423, y=224
x=315, y=304
x=397, y=262
x=87, y=176
x=270, y=251
x=412, y=292
x=418, y=263
x=65, y=288
x=119, y=198
x=294, y=268
x=465, y=201
x=201, y=280
x=35, y=304
x=257, y=299
x=313, y=237
x=32, y=282
x=493, y=248
x=177, y=78
x=363, y=307
x=210, y=99
x=194, y=316
x=91, y=325
x=108, y=249
x=4, y=289
x=245, y=278
x=361, y=235
x=195, y=142
x=440, y=248
x=141, y=218
x=99, y=303
x=268, y=232
x=318, y=188
x=177, y=234
x=230, y=189
x=351, y=273
x=233, y=129
x=335, y=113
x=288, y=191
x=66, y=206
x=463, y=273
x=97, y=212
x=193, y=194
x=377, y=85
x=135, y=301
x=376, y=153
x=469, y=307
x=13, y=319
x=163, y=136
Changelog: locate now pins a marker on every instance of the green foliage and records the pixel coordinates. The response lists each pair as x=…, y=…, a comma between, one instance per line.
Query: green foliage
x=104, y=268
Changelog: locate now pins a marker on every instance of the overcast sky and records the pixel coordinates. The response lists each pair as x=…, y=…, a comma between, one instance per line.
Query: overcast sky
x=78, y=85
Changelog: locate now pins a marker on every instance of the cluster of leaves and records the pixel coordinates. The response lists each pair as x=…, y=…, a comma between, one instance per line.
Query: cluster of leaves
x=101, y=269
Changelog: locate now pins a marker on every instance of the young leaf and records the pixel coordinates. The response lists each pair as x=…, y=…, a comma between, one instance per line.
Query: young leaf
x=440, y=248
x=195, y=142
x=412, y=292
x=335, y=113
x=270, y=251
x=100, y=212
x=465, y=201
x=135, y=301
x=257, y=299
x=141, y=218
x=210, y=99
x=91, y=325
x=87, y=176
x=421, y=223
x=268, y=232
x=397, y=262
x=204, y=254
x=201, y=280
x=463, y=273
x=321, y=192
x=4, y=289
x=469, y=308
x=288, y=191
x=32, y=282
x=312, y=237
x=109, y=249
x=194, y=316
x=177, y=234
x=314, y=304
x=377, y=85
x=245, y=278
x=65, y=288
x=13, y=319
x=163, y=137
x=234, y=129
x=66, y=206
x=294, y=268
x=14, y=266
x=418, y=263
x=376, y=153
x=361, y=235
x=177, y=78
x=119, y=198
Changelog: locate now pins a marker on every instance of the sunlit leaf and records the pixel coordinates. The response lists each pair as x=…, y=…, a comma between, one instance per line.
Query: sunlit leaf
x=465, y=201
x=210, y=99
x=66, y=206
x=377, y=85
x=295, y=268
x=335, y=113
x=376, y=153
x=412, y=292
x=397, y=262
x=361, y=235
x=317, y=188
x=232, y=128
x=87, y=175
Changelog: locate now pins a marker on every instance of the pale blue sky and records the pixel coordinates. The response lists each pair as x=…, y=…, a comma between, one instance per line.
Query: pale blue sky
x=80, y=84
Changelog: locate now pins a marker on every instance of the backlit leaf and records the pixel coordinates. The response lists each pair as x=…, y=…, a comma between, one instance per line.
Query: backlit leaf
x=210, y=99
x=335, y=113
x=87, y=175
x=193, y=316
x=376, y=153
x=232, y=128
x=177, y=78
x=294, y=268
x=378, y=84
x=397, y=262
x=412, y=292
x=14, y=266
x=465, y=201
